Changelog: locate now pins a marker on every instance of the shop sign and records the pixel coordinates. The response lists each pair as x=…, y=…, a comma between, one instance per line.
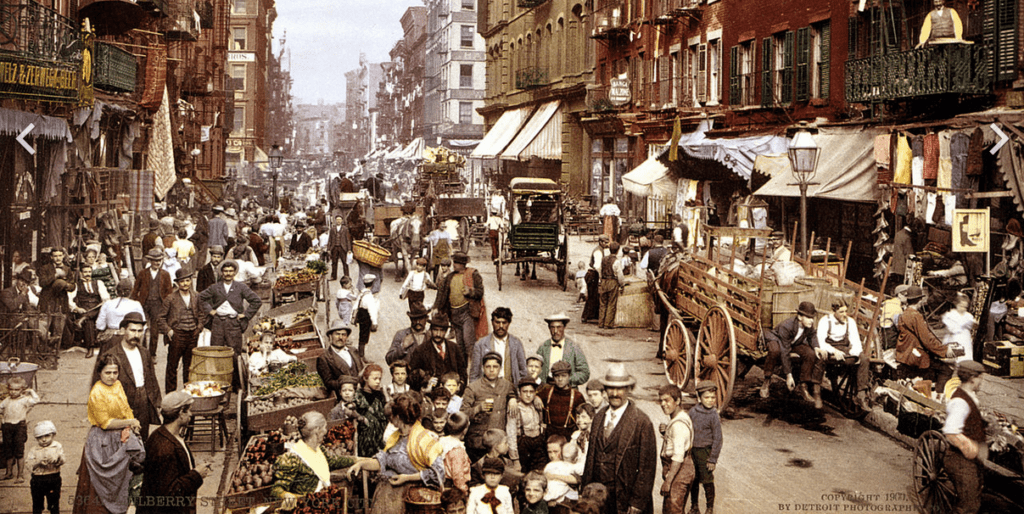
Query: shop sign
x=241, y=57
x=971, y=230
x=51, y=82
x=618, y=92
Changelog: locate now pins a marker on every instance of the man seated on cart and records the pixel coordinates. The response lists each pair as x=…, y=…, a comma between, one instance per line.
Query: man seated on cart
x=796, y=335
x=839, y=337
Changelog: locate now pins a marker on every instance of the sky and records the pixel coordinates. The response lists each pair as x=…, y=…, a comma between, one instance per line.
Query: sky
x=325, y=37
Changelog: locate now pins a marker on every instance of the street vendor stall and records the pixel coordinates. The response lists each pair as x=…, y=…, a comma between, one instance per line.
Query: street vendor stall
x=299, y=279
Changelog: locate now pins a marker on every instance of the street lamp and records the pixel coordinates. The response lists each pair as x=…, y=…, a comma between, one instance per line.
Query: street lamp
x=803, y=157
x=276, y=156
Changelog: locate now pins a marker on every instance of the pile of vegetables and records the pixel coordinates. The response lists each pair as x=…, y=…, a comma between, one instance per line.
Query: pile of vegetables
x=296, y=277
x=328, y=501
x=340, y=440
x=284, y=343
x=317, y=266
x=256, y=468
x=295, y=374
x=263, y=405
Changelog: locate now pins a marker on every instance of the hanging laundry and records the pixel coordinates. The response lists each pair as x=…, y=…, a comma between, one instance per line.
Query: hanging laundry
x=931, y=156
x=882, y=147
x=958, y=152
x=917, y=161
x=903, y=161
x=945, y=176
x=975, y=153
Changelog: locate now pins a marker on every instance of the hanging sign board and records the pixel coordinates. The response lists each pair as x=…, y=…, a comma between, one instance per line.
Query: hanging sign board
x=971, y=230
x=618, y=92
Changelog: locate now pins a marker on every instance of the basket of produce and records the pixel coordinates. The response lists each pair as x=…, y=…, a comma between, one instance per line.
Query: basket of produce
x=340, y=439
x=422, y=500
x=294, y=278
x=206, y=394
x=369, y=253
x=332, y=500
x=255, y=473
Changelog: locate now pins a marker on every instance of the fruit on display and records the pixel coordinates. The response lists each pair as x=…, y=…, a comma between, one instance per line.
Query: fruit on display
x=317, y=266
x=204, y=389
x=296, y=277
x=283, y=343
x=340, y=440
x=330, y=500
x=308, y=314
x=256, y=467
x=295, y=374
x=264, y=405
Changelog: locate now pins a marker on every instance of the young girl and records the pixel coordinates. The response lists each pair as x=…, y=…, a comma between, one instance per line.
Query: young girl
x=560, y=470
x=453, y=383
x=370, y=403
x=456, y=460
x=959, y=323
x=416, y=284
x=344, y=298
x=399, y=375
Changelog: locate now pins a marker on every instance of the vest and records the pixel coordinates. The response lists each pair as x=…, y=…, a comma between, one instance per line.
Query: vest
x=607, y=269
x=942, y=25
x=842, y=344
x=85, y=299
x=974, y=425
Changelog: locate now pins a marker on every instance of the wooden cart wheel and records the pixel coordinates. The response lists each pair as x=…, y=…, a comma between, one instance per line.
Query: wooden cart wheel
x=715, y=355
x=678, y=354
x=933, y=488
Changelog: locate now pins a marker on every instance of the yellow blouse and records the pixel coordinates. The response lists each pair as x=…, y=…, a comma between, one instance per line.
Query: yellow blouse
x=107, y=403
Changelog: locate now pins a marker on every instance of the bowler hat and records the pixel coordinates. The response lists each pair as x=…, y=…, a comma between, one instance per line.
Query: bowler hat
x=337, y=325
x=1013, y=228
x=438, y=321
x=155, y=254
x=182, y=274
x=217, y=249
x=417, y=312
x=460, y=258
x=617, y=376
x=218, y=208
x=132, y=317
x=914, y=293
x=806, y=309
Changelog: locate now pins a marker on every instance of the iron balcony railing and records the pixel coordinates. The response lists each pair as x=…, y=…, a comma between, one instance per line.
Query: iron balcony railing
x=530, y=4
x=609, y=21
x=531, y=77
x=182, y=22
x=931, y=70
x=32, y=31
x=114, y=69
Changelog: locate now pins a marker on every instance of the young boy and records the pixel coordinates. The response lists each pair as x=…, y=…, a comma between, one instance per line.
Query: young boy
x=581, y=281
x=367, y=308
x=559, y=471
x=399, y=375
x=560, y=401
x=453, y=501
x=676, y=465
x=438, y=420
x=496, y=443
x=344, y=299
x=14, y=413
x=596, y=395
x=453, y=383
x=534, y=363
x=456, y=460
x=416, y=284
x=525, y=428
x=534, y=485
x=345, y=410
x=707, y=443
x=44, y=462
x=490, y=497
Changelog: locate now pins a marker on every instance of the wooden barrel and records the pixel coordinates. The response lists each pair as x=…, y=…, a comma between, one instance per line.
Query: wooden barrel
x=214, y=363
x=785, y=300
x=636, y=305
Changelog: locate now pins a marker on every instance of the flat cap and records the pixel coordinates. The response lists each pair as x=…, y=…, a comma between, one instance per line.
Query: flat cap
x=175, y=400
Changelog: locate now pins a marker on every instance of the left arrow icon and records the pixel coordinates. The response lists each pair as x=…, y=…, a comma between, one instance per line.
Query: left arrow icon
x=21, y=138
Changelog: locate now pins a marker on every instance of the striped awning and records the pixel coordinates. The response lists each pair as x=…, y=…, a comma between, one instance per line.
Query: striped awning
x=541, y=136
x=501, y=133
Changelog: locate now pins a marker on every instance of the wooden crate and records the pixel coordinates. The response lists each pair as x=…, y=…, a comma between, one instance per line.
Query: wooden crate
x=274, y=419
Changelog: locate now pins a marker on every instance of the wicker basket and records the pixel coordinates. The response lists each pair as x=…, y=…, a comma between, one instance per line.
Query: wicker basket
x=365, y=251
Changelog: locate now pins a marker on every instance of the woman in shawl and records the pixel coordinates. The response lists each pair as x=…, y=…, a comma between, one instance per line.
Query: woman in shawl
x=370, y=401
x=411, y=456
x=112, y=448
x=305, y=468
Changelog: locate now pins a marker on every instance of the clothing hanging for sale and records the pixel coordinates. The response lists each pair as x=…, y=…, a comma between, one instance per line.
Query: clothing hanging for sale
x=931, y=156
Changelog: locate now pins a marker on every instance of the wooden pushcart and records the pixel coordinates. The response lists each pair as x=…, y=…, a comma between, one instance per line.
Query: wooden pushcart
x=933, y=489
x=731, y=310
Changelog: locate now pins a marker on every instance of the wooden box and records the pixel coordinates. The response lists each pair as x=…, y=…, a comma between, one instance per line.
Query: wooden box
x=273, y=420
x=1004, y=359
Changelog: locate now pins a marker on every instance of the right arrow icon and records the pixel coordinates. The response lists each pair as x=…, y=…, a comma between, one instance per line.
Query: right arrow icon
x=1003, y=138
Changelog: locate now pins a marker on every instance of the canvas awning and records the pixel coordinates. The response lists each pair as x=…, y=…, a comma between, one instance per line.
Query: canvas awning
x=541, y=136
x=501, y=134
x=846, y=168
x=651, y=178
x=262, y=161
x=411, y=152
x=736, y=154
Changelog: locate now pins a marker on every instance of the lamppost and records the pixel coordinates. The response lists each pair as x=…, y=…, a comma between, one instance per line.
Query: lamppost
x=275, y=164
x=803, y=157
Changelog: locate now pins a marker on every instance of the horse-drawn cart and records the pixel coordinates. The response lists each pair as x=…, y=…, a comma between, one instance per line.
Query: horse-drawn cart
x=537, y=233
x=731, y=304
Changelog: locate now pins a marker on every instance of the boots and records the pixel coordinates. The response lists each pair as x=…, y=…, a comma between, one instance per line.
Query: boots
x=806, y=395
x=862, y=400
x=817, y=396
x=709, y=496
x=765, y=387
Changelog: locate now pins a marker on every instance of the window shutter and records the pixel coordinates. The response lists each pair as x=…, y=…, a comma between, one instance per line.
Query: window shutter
x=824, y=68
x=787, y=68
x=664, y=80
x=767, y=99
x=702, y=74
x=852, y=37
x=734, y=76
x=1006, y=40
x=803, y=63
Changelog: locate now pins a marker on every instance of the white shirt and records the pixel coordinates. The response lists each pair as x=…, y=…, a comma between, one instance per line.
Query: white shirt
x=614, y=416
x=556, y=353
x=344, y=354
x=499, y=346
x=225, y=308
x=135, y=362
x=838, y=332
x=100, y=288
x=956, y=414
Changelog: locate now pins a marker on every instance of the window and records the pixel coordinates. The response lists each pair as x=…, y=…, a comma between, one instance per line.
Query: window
x=239, y=7
x=468, y=5
x=782, y=68
x=714, y=71
x=466, y=76
x=465, y=113
x=239, y=127
x=699, y=72
x=238, y=38
x=677, y=76
x=467, y=36
x=821, y=42
x=238, y=76
x=741, y=74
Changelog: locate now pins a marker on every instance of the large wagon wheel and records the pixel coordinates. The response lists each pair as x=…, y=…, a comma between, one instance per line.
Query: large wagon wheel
x=933, y=488
x=678, y=354
x=715, y=355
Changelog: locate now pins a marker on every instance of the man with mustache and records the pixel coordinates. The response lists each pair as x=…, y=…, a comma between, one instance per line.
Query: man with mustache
x=135, y=371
